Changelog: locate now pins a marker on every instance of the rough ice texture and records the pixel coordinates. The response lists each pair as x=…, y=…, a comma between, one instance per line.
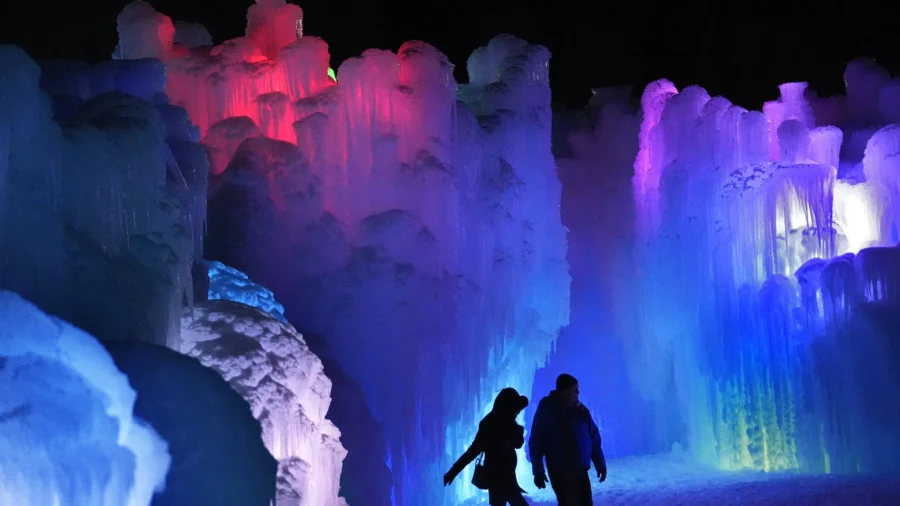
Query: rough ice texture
x=382, y=195
x=268, y=363
x=116, y=185
x=229, y=283
x=69, y=434
x=218, y=456
x=744, y=320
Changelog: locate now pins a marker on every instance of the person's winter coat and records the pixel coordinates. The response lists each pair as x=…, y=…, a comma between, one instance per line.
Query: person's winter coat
x=499, y=436
x=566, y=436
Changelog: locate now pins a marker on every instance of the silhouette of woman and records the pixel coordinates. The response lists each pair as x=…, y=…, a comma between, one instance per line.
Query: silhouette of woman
x=498, y=437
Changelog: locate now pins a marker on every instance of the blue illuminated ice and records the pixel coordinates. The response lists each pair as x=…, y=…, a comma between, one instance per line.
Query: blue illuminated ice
x=760, y=248
x=114, y=179
x=68, y=434
x=229, y=283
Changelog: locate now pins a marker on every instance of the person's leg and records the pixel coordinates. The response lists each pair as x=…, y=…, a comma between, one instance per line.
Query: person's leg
x=559, y=481
x=582, y=488
x=496, y=497
x=515, y=499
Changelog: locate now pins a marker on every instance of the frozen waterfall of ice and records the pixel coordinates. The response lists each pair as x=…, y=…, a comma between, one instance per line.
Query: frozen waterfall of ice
x=759, y=235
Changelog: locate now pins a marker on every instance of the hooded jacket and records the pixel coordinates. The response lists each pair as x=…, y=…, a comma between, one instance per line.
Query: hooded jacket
x=498, y=437
x=566, y=436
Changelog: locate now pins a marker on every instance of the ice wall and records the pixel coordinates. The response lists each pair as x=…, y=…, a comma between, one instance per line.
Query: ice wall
x=114, y=180
x=420, y=237
x=596, y=148
x=268, y=363
x=69, y=435
x=738, y=319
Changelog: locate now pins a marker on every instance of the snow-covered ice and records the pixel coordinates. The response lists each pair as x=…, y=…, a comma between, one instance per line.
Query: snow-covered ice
x=267, y=361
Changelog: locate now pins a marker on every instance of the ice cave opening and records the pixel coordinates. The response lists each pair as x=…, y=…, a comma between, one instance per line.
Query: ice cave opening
x=344, y=268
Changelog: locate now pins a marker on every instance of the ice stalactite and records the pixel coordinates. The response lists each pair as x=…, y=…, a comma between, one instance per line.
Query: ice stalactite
x=510, y=237
x=881, y=166
x=731, y=217
x=651, y=157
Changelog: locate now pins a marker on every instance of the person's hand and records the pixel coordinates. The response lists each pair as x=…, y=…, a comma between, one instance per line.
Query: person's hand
x=540, y=481
x=448, y=478
x=601, y=473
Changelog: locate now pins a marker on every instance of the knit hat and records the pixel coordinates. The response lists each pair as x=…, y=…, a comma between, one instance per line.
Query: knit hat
x=565, y=382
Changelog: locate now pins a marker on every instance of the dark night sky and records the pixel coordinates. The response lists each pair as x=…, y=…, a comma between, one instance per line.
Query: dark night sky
x=740, y=49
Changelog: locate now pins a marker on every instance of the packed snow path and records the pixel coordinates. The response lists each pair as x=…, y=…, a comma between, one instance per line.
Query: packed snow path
x=672, y=480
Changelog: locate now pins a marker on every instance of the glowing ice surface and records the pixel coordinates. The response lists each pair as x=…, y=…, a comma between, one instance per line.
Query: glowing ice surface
x=380, y=195
x=231, y=284
x=268, y=363
x=68, y=434
x=744, y=201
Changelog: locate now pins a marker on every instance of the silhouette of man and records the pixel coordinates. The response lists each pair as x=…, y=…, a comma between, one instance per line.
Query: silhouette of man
x=564, y=434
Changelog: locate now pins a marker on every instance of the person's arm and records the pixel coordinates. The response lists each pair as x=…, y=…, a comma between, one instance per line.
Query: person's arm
x=471, y=454
x=536, y=440
x=596, y=446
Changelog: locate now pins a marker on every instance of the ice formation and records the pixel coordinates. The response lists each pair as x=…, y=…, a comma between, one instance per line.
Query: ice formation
x=364, y=477
x=229, y=283
x=114, y=179
x=595, y=150
x=218, y=455
x=380, y=194
x=268, y=363
x=69, y=435
x=763, y=246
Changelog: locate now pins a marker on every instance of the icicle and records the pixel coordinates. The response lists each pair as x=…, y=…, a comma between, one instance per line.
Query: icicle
x=881, y=165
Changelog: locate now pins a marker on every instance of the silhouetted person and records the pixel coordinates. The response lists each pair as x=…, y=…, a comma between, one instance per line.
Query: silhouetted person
x=498, y=437
x=564, y=433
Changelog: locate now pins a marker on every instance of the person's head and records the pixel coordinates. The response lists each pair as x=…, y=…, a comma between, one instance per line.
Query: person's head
x=567, y=388
x=509, y=403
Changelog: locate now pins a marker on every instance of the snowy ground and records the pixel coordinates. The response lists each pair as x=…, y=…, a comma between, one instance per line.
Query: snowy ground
x=672, y=480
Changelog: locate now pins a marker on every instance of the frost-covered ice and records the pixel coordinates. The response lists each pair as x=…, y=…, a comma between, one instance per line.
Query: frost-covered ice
x=268, y=363
x=68, y=434
x=231, y=284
